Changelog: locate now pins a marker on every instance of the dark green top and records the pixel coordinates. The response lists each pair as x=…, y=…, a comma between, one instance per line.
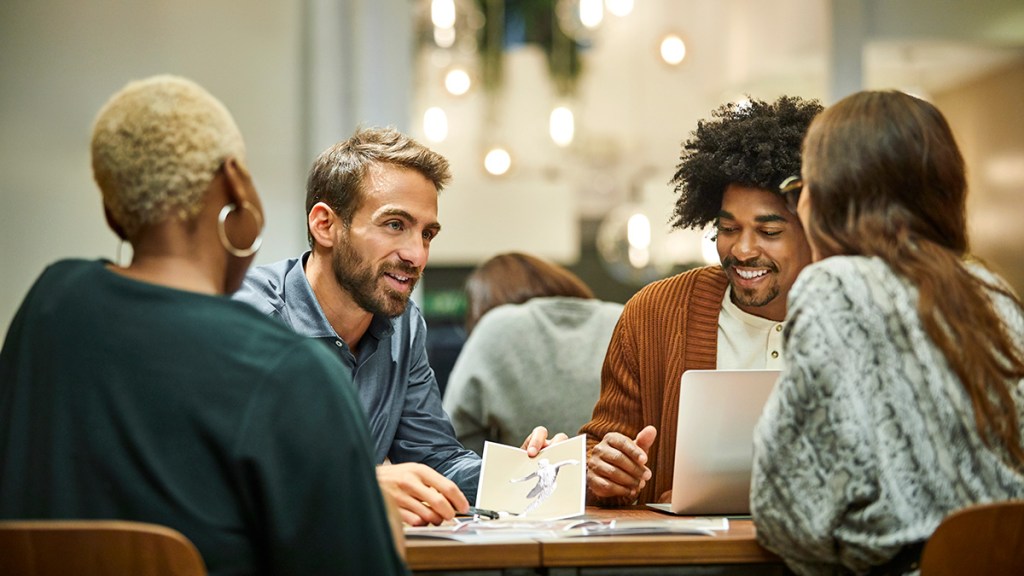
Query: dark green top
x=126, y=400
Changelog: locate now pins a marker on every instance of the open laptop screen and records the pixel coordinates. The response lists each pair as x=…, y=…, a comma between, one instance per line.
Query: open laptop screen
x=718, y=410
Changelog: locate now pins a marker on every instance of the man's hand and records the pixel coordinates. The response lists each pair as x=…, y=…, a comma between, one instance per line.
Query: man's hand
x=421, y=494
x=538, y=440
x=617, y=466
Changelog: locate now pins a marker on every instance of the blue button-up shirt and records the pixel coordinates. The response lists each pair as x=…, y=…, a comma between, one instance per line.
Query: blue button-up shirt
x=395, y=383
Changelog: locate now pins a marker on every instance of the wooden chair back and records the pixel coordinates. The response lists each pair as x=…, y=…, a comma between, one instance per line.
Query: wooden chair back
x=95, y=548
x=983, y=539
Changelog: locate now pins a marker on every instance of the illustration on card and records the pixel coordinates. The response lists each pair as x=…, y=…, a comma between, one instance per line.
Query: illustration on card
x=551, y=485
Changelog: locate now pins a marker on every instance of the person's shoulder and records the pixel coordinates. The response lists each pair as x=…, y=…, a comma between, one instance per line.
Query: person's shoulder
x=76, y=264
x=563, y=302
x=264, y=286
x=513, y=312
x=563, y=309
x=840, y=270
x=505, y=319
x=72, y=267
x=69, y=276
x=591, y=307
x=260, y=338
x=311, y=358
x=242, y=319
x=610, y=312
x=979, y=270
x=1003, y=296
x=846, y=281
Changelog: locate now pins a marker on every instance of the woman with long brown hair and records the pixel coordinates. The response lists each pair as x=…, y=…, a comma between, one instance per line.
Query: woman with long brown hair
x=902, y=398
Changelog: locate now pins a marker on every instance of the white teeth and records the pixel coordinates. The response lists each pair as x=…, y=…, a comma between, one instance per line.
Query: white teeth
x=750, y=274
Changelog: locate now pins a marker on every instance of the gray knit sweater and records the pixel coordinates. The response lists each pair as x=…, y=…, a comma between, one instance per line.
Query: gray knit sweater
x=531, y=364
x=869, y=438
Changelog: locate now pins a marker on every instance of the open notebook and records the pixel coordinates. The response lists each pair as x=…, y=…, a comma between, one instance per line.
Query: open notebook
x=718, y=410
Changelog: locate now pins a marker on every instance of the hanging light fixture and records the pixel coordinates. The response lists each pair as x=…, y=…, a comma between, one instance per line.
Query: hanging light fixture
x=442, y=16
x=562, y=126
x=638, y=236
x=457, y=81
x=497, y=161
x=435, y=124
x=444, y=37
x=591, y=13
x=442, y=13
x=619, y=8
x=673, y=49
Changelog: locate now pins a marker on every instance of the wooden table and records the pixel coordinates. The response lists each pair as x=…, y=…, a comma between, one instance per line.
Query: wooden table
x=735, y=551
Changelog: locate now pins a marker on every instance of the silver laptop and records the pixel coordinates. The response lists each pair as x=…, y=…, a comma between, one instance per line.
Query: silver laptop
x=718, y=410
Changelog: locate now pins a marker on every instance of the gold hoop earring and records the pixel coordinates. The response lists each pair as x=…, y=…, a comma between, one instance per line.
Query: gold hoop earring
x=222, y=232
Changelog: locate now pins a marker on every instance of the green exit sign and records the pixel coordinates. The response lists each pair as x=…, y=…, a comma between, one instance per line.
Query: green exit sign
x=450, y=303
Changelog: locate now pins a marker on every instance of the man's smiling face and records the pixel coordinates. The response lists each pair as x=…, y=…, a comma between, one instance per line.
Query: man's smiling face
x=762, y=248
x=381, y=255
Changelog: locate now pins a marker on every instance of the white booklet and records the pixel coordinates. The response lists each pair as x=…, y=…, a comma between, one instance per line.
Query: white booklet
x=515, y=530
x=549, y=486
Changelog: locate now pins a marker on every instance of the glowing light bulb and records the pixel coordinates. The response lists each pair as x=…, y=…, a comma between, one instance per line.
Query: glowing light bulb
x=562, y=126
x=457, y=81
x=673, y=49
x=442, y=13
x=619, y=7
x=435, y=124
x=638, y=231
x=497, y=161
x=591, y=13
x=444, y=37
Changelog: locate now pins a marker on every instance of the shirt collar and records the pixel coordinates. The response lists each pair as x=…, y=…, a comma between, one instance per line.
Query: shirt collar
x=308, y=318
x=747, y=318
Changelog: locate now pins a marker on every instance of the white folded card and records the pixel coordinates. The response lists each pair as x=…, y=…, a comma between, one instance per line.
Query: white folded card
x=549, y=486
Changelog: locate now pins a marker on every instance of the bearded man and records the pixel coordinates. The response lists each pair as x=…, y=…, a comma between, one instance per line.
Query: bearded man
x=371, y=208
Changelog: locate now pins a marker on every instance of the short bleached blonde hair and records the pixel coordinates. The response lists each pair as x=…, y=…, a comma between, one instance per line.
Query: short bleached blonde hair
x=156, y=146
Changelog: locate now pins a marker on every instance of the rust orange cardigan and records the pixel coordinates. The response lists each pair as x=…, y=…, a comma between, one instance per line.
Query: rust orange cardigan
x=668, y=327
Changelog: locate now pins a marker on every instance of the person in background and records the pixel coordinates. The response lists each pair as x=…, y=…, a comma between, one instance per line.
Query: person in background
x=537, y=338
x=725, y=317
x=902, y=399
x=371, y=209
x=143, y=393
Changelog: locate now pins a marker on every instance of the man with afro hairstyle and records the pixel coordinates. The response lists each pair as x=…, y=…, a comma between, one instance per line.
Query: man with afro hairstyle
x=728, y=316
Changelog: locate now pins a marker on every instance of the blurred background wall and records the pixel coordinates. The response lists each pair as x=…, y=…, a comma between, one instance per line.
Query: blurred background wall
x=302, y=74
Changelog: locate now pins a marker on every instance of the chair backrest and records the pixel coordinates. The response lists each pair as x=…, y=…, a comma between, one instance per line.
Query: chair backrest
x=982, y=539
x=95, y=548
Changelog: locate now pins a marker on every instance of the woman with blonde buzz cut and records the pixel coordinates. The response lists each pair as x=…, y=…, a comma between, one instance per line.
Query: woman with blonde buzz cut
x=143, y=393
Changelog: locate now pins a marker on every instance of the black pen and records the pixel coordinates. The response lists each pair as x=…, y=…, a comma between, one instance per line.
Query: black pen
x=474, y=511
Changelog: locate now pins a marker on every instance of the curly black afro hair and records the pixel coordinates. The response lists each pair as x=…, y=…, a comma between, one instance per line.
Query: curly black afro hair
x=755, y=145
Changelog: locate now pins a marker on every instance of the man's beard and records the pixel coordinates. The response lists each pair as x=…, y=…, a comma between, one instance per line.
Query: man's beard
x=757, y=297
x=362, y=282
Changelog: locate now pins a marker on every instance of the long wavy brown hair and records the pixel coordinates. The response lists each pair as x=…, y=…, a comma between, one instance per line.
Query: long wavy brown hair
x=886, y=179
x=514, y=278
